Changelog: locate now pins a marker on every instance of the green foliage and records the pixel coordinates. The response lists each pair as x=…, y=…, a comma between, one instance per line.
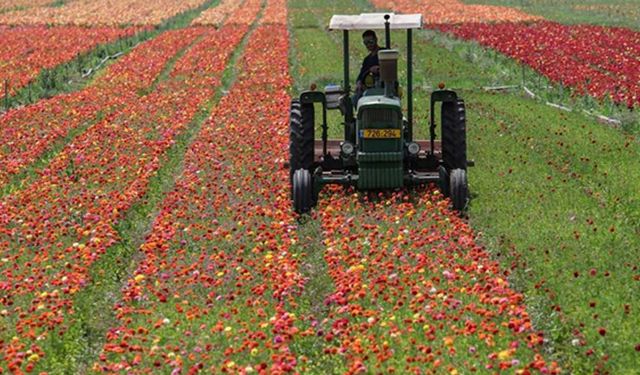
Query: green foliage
x=554, y=198
x=57, y=3
x=599, y=12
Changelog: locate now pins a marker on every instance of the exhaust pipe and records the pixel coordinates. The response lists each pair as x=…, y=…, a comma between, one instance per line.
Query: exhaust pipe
x=388, y=59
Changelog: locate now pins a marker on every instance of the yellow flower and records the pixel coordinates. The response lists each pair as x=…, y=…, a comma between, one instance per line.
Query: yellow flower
x=139, y=278
x=505, y=354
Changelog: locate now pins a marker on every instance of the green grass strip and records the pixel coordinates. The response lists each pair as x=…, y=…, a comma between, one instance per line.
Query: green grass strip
x=556, y=204
x=168, y=68
x=311, y=303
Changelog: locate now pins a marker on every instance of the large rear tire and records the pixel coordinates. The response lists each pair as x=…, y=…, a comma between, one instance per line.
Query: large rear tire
x=301, y=136
x=302, y=191
x=459, y=190
x=307, y=136
x=295, y=117
x=454, y=135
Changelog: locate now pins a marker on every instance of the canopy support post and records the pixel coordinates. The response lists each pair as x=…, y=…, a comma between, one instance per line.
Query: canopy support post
x=410, y=83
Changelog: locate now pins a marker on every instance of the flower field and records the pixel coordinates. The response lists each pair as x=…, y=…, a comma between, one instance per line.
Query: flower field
x=603, y=62
x=413, y=290
x=31, y=131
x=599, y=61
x=95, y=13
x=146, y=223
x=88, y=186
x=216, y=268
x=26, y=50
x=6, y=5
x=600, y=12
x=215, y=16
x=436, y=12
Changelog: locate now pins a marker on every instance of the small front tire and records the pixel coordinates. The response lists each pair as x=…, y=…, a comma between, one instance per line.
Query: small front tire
x=459, y=189
x=443, y=180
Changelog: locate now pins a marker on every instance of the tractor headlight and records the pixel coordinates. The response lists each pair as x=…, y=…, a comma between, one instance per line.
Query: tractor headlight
x=413, y=148
x=347, y=149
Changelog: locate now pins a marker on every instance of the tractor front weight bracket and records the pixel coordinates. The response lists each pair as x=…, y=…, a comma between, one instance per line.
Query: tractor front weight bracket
x=438, y=96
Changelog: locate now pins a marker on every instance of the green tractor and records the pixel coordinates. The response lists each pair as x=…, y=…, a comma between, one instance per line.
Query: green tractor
x=378, y=150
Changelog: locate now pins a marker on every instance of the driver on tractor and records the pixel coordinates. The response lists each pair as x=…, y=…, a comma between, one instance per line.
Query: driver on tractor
x=370, y=70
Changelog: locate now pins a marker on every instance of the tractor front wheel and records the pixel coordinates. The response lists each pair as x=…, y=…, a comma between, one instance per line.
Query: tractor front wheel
x=443, y=180
x=458, y=189
x=302, y=191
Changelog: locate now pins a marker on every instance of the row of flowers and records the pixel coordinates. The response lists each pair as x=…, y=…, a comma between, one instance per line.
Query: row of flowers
x=6, y=5
x=603, y=62
x=31, y=131
x=413, y=290
x=437, y=12
x=54, y=230
x=216, y=285
x=27, y=50
x=215, y=16
x=93, y=13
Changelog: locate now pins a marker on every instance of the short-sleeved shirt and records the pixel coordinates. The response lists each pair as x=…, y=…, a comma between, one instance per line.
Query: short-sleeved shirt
x=369, y=61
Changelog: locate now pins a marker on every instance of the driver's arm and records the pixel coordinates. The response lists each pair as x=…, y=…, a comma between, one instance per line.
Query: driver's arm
x=364, y=69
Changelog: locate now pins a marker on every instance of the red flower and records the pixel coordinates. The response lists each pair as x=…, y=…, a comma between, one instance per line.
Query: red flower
x=602, y=331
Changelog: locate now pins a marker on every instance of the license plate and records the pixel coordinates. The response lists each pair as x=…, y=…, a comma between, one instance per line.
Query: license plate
x=380, y=133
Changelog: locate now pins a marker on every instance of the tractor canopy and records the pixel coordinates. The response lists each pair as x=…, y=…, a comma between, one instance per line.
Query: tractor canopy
x=367, y=21
x=387, y=22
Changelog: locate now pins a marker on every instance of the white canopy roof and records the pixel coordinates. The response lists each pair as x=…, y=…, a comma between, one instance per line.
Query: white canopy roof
x=366, y=21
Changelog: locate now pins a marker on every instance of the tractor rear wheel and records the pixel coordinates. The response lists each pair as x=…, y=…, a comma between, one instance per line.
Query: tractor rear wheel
x=295, y=117
x=302, y=191
x=454, y=135
x=307, y=136
x=458, y=189
x=301, y=136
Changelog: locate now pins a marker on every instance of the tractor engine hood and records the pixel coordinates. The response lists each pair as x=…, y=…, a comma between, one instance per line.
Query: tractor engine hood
x=378, y=101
